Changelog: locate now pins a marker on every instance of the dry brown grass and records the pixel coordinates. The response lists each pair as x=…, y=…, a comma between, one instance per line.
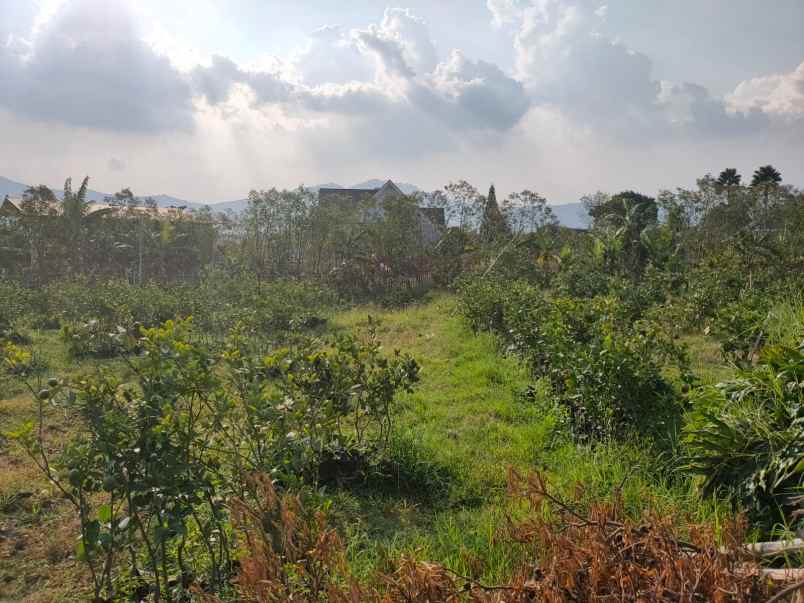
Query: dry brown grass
x=572, y=555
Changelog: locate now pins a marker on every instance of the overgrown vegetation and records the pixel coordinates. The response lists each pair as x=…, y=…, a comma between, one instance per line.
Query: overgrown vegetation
x=216, y=413
x=744, y=435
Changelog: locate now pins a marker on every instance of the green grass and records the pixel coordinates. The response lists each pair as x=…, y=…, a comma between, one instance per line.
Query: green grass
x=707, y=359
x=469, y=422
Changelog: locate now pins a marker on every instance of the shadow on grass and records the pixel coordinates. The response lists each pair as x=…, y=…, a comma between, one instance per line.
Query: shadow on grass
x=404, y=474
x=408, y=473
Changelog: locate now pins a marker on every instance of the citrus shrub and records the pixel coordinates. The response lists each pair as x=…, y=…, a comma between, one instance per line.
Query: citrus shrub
x=18, y=305
x=739, y=326
x=153, y=462
x=603, y=367
x=14, y=359
x=97, y=338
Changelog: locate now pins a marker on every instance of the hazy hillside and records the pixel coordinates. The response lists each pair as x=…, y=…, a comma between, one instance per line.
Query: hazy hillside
x=15, y=189
x=11, y=188
x=572, y=215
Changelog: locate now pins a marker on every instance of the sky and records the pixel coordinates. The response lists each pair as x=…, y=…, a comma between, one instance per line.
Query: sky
x=206, y=100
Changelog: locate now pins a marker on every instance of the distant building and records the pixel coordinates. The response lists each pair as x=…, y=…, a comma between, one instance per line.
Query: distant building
x=9, y=208
x=432, y=221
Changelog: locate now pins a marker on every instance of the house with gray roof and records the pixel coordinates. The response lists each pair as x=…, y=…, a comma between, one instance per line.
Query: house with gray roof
x=369, y=202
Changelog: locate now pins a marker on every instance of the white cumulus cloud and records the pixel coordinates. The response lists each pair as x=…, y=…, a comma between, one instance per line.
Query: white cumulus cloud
x=780, y=95
x=565, y=61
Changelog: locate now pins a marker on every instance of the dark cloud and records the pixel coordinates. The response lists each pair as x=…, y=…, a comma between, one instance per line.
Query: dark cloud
x=89, y=67
x=215, y=82
x=690, y=107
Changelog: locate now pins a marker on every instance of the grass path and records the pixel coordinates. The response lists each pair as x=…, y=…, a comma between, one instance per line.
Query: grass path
x=465, y=413
x=468, y=416
x=465, y=421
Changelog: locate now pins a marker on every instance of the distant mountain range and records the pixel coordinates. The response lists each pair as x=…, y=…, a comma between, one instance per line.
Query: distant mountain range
x=15, y=189
x=11, y=188
x=572, y=215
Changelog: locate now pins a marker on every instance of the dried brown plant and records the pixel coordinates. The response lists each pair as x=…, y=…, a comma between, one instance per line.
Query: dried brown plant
x=570, y=555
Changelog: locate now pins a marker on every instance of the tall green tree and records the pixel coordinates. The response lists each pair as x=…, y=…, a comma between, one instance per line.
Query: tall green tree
x=640, y=209
x=625, y=217
x=766, y=176
x=80, y=227
x=729, y=178
x=38, y=204
x=463, y=203
x=493, y=225
x=528, y=211
x=123, y=198
x=74, y=210
x=38, y=199
x=766, y=179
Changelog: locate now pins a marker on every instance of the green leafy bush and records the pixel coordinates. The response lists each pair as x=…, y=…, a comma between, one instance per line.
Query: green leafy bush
x=746, y=436
x=581, y=280
x=739, y=326
x=217, y=304
x=115, y=301
x=325, y=414
x=708, y=286
x=16, y=360
x=484, y=302
x=603, y=366
x=652, y=290
x=7, y=331
x=19, y=305
x=153, y=462
x=98, y=339
x=222, y=301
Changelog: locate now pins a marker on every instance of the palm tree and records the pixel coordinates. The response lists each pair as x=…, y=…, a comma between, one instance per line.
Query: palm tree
x=729, y=178
x=77, y=220
x=766, y=176
x=727, y=181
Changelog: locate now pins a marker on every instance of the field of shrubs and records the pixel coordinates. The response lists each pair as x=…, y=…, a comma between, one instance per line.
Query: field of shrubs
x=551, y=415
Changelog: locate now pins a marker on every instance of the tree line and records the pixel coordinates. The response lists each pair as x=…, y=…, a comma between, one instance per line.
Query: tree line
x=289, y=233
